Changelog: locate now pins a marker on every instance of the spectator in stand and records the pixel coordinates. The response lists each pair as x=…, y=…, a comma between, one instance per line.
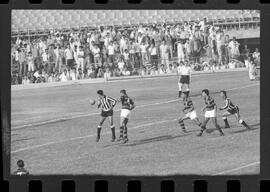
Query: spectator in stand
x=234, y=48
x=45, y=60
x=63, y=77
x=58, y=59
x=96, y=53
x=143, y=49
x=180, y=49
x=221, y=46
x=81, y=56
x=30, y=62
x=164, y=53
x=68, y=54
x=154, y=56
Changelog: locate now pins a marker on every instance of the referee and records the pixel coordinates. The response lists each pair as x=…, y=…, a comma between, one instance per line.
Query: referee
x=106, y=104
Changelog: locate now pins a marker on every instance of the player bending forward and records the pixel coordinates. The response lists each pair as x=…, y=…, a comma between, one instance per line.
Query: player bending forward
x=106, y=103
x=210, y=112
x=231, y=109
x=189, y=111
x=127, y=106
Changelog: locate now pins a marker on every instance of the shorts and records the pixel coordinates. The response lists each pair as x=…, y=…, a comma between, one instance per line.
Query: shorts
x=233, y=111
x=70, y=63
x=107, y=113
x=125, y=113
x=184, y=79
x=192, y=115
x=210, y=114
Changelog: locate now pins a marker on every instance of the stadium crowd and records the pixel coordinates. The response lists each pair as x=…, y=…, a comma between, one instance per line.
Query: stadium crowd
x=137, y=50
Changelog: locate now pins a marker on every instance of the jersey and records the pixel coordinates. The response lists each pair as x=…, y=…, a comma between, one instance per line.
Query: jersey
x=21, y=171
x=229, y=106
x=106, y=103
x=210, y=103
x=188, y=106
x=127, y=102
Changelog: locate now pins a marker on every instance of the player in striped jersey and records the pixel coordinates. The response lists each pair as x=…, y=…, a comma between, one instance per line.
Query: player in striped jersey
x=210, y=112
x=106, y=103
x=231, y=109
x=127, y=106
x=189, y=111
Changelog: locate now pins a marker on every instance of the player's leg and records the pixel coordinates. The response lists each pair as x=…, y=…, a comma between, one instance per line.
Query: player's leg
x=187, y=88
x=181, y=123
x=112, y=127
x=102, y=119
x=180, y=89
x=214, y=121
x=224, y=117
x=122, y=119
x=197, y=122
x=203, y=126
x=238, y=118
x=125, y=139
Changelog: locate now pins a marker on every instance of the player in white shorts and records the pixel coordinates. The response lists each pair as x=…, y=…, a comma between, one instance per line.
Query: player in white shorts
x=210, y=112
x=190, y=112
x=184, y=73
x=127, y=106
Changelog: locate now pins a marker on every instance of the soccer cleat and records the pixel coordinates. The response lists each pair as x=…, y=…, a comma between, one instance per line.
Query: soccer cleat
x=184, y=130
x=221, y=134
x=120, y=138
x=125, y=140
x=97, y=139
x=200, y=134
x=227, y=127
x=113, y=139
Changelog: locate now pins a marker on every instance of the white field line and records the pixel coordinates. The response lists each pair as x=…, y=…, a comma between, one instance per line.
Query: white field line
x=69, y=117
x=136, y=127
x=87, y=136
x=238, y=168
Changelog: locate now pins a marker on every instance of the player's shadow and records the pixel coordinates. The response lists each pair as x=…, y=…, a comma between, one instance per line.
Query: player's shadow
x=253, y=128
x=24, y=139
x=153, y=139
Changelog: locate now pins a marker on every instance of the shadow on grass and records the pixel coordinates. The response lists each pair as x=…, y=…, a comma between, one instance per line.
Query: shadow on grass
x=153, y=139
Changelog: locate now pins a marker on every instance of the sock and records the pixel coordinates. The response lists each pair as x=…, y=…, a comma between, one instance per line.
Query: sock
x=125, y=132
x=182, y=125
x=243, y=123
x=121, y=131
x=226, y=121
x=98, y=131
x=113, y=131
x=179, y=93
x=187, y=92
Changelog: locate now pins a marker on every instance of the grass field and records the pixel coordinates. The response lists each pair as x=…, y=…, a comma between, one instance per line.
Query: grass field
x=54, y=129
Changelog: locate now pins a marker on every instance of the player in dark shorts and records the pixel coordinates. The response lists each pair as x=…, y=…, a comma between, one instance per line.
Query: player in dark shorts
x=210, y=112
x=106, y=103
x=127, y=106
x=190, y=112
x=185, y=78
x=231, y=109
x=21, y=170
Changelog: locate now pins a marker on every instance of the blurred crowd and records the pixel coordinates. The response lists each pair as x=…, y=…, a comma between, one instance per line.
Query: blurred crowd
x=139, y=50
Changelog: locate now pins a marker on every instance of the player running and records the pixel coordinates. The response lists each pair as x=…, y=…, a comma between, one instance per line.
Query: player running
x=210, y=112
x=127, y=106
x=184, y=73
x=231, y=109
x=106, y=103
x=189, y=111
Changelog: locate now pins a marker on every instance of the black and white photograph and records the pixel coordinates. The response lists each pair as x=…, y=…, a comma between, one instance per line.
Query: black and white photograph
x=135, y=92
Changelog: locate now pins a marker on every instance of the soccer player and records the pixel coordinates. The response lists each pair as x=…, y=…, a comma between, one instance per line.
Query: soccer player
x=21, y=170
x=127, y=106
x=231, y=109
x=210, y=112
x=189, y=111
x=185, y=77
x=106, y=103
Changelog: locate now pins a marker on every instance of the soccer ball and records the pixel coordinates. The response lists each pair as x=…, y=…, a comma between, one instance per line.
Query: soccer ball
x=92, y=101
